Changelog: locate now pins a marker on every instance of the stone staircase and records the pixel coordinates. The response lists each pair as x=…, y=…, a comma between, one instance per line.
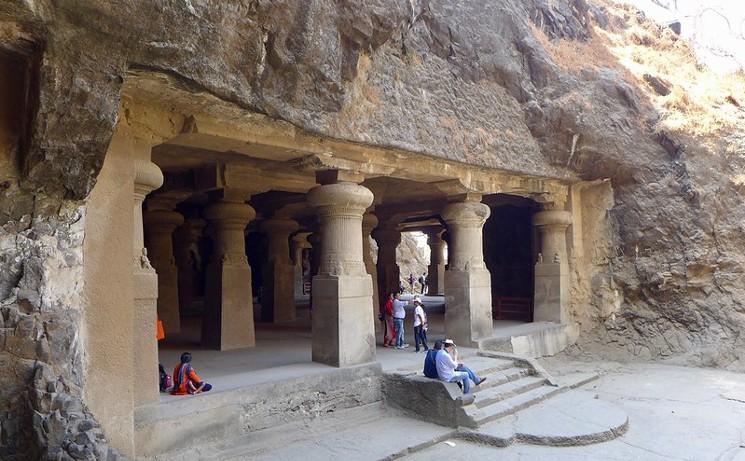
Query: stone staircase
x=512, y=383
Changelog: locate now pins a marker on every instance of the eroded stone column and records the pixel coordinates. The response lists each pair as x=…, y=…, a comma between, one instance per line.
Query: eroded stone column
x=369, y=221
x=388, y=238
x=148, y=177
x=188, y=261
x=159, y=227
x=228, y=318
x=343, y=331
x=467, y=281
x=300, y=243
x=551, y=298
x=278, y=300
x=436, y=269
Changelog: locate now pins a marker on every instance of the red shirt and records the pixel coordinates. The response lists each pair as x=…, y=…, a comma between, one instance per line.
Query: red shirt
x=389, y=307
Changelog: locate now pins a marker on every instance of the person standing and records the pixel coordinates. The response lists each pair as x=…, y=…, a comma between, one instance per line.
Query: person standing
x=420, y=325
x=399, y=314
x=411, y=281
x=389, y=330
x=423, y=282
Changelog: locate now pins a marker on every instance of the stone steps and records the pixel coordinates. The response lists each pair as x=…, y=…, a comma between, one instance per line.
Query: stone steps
x=500, y=377
x=513, y=383
x=504, y=391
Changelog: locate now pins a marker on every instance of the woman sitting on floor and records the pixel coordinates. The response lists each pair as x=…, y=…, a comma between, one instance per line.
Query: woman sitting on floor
x=186, y=380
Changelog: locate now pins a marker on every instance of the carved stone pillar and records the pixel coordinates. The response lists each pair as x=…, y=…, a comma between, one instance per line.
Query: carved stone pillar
x=228, y=318
x=467, y=281
x=551, y=298
x=159, y=227
x=278, y=298
x=436, y=269
x=300, y=244
x=388, y=238
x=188, y=261
x=369, y=221
x=343, y=331
x=148, y=177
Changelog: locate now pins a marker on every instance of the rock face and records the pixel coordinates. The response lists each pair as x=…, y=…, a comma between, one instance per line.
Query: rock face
x=483, y=82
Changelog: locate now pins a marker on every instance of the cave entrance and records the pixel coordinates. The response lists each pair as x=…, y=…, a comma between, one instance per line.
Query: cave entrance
x=510, y=254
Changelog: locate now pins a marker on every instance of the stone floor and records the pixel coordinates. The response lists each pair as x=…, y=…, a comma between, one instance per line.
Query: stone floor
x=284, y=351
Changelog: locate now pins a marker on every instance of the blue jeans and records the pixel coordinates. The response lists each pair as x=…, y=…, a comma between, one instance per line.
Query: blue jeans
x=463, y=377
x=420, y=336
x=471, y=375
x=399, y=331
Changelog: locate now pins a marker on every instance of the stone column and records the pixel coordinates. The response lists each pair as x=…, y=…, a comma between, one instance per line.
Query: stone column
x=228, y=321
x=467, y=281
x=551, y=298
x=278, y=299
x=159, y=227
x=148, y=177
x=343, y=331
x=300, y=243
x=369, y=221
x=315, y=260
x=388, y=237
x=436, y=269
x=188, y=260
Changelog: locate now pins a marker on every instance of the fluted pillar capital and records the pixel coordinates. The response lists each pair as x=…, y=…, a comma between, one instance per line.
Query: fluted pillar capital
x=148, y=177
x=466, y=214
x=162, y=221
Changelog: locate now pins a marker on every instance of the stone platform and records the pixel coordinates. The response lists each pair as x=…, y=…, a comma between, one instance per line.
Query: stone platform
x=535, y=339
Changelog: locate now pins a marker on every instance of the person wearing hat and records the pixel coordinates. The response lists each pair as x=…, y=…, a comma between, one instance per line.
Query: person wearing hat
x=449, y=370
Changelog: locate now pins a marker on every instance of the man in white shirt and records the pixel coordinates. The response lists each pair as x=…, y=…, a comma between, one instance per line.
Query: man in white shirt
x=399, y=314
x=420, y=325
x=449, y=370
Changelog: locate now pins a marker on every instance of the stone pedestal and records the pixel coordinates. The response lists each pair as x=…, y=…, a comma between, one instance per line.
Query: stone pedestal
x=278, y=296
x=369, y=221
x=188, y=261
x=388, y=238
x=228, y=318
x=343, y=331
x=436, y=269
x=467, y=280
x=159, y=227
x=551, y=298
x=300, y=245
x=145, y=378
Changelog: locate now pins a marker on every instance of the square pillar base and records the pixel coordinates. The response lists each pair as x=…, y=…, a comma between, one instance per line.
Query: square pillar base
x=168, y=303
x=145, y=343
x=551, y=292
x=278, y=303
x=468, y=306
x=228, y=321
x=343, y=331
x=436, y=280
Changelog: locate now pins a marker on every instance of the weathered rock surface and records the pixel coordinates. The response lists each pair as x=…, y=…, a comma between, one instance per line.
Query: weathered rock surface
x=473, y=81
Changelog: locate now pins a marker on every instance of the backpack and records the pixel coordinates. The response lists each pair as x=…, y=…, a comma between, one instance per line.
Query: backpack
x=166, y=382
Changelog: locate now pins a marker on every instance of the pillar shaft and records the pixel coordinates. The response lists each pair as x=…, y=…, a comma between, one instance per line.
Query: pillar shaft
x=188, y=261
x=278, y=299
x=551, y=298
x=147, y=178
x=159, y=227
x=467, y=281
x=300, y=245
x=436, y=269
x=369, y=221
x=343, y=331
x=228, y=319
x=388, y=238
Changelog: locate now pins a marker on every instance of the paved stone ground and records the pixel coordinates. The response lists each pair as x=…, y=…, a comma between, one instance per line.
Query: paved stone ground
x=675, y=413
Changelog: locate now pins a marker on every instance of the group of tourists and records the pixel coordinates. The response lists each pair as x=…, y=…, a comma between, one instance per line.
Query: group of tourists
x=422, y=283
x=393, y=314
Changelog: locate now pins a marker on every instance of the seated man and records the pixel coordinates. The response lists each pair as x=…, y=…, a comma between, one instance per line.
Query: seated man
x=186, y=380
x=430, y=366
x=449, y=370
